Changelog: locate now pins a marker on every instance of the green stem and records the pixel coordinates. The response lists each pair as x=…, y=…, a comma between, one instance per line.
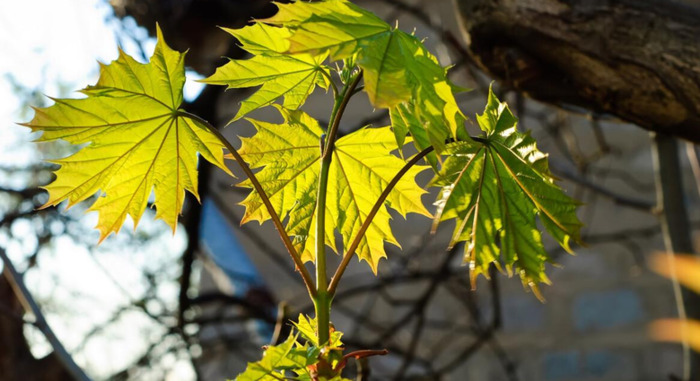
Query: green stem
x=330, y=80
x=338, y=109
x=266, y=200
x=322, y=301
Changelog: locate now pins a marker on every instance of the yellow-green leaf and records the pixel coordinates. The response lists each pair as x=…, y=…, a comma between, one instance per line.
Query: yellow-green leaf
x=136, y=141
x=286, y=356
x=308, y=329
x=495, y=187
x=292, y=76
x=399, y=72
x=260, y=38
x=362, y=166
x=336, y=26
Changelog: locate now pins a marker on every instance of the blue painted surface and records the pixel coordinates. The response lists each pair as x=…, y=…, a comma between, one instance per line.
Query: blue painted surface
x=522, y=313
x=559, y=366
x=599, y=363
x=607, y=309
x=604, y=363
x=221, y=244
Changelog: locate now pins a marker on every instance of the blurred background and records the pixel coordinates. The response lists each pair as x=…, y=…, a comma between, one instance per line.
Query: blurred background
x=608, y=89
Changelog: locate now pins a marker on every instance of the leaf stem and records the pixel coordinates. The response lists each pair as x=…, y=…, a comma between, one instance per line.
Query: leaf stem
x=330, y=80
x=370, y=216
x=306, y=276
x=322, y=301
x=14, y=278
x=341, y=102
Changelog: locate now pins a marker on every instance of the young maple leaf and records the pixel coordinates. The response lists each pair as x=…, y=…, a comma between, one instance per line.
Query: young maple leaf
x=278, y=359
x=399, y=72
x=292, y=76
x=136, y=141
x=495, y=188
x=362, y=166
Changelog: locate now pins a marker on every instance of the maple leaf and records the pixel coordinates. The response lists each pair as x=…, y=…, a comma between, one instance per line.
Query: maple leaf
x=288, y=355
x=336, y=26
x=289, y=155
x=399, y=72
x=292, y=76
x=308, y=329
x=136, y=141
x=495, y=187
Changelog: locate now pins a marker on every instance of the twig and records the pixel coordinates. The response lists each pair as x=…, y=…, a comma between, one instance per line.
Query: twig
x=266, y=200
x=370, y=216
x=30, y=306
x=633, y=203
x=254, y=235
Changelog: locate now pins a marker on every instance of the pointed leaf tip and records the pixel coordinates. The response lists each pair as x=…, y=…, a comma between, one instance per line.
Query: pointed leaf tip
x=148, y=145
x=496, y=189
x=361, y=168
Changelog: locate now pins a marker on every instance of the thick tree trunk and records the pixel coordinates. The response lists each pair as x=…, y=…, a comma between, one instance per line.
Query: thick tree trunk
x=636, y=59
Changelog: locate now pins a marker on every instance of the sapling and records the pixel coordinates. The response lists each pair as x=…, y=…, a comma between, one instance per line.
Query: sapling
x=137, y=140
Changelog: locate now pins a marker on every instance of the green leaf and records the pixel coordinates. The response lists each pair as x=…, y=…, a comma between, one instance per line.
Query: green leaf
x=495, y=188
x=276, y=359
x=289, y=155
x=308, y=329
x=336, y=26
x=136, y=141
x=293, y=77
x=404, y=120
x=398, y=69
x=260, y=38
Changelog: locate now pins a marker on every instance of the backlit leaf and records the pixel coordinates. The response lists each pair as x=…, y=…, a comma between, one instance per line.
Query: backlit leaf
x=336, y=26
x=277, y=359
x=308, y=328
x=362, y=166
x=292, y=76
x=398, y=69
x=494, y=188
x=136, y=142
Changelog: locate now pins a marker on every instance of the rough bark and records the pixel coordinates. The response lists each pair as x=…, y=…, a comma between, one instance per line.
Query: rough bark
x=636, y=59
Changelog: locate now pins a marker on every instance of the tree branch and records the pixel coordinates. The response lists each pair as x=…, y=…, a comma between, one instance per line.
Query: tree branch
x=30, y=306
x=621, y=200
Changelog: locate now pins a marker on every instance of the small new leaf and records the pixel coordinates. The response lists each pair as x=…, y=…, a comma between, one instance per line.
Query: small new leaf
x=308, y=329
x=292, y=76
x=362, y=166
x=494, y=188
x=136, y=141
x=287, y=356
x=399, y=72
